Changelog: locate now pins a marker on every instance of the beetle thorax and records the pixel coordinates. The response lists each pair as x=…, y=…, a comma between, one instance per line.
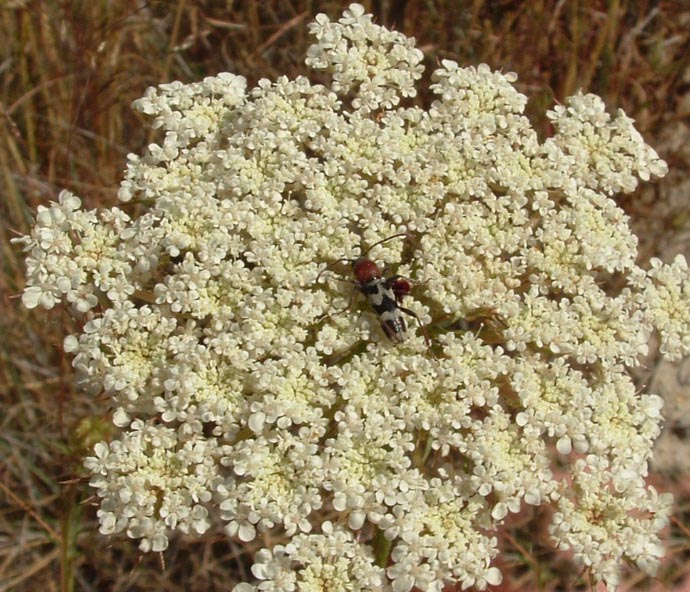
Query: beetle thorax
x=365, y=270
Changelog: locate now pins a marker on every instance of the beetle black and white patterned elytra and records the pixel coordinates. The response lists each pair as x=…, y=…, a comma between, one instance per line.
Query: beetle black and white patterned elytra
x=384, y=295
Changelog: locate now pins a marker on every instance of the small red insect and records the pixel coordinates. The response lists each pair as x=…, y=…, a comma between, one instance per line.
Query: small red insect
x=383, y=294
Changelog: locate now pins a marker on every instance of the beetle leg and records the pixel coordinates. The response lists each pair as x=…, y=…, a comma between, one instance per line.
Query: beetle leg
x=422, y=326
x=342, y=310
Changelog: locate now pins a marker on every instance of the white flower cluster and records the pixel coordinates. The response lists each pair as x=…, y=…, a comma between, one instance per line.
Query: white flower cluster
x=154, y=480
x=256, y=389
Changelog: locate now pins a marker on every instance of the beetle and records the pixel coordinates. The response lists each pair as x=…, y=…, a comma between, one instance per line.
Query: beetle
x=384, y=294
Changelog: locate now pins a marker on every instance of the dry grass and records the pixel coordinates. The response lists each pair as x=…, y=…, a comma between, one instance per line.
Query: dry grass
x=69, y=70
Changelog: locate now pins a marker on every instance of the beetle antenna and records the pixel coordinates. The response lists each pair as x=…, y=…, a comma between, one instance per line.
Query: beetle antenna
x=405, y=234
x=331, y=264
x=363, y=254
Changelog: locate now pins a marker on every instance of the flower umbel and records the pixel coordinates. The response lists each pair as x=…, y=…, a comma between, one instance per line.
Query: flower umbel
x=252, y=396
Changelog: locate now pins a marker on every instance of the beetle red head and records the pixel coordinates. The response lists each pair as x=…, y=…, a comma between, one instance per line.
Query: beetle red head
x=365, y=270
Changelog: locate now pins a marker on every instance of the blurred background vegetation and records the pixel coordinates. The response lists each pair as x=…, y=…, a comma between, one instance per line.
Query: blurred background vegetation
x=69, y=70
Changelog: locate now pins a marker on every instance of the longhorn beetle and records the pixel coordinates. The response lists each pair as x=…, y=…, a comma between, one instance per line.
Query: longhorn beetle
x=383, y=294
